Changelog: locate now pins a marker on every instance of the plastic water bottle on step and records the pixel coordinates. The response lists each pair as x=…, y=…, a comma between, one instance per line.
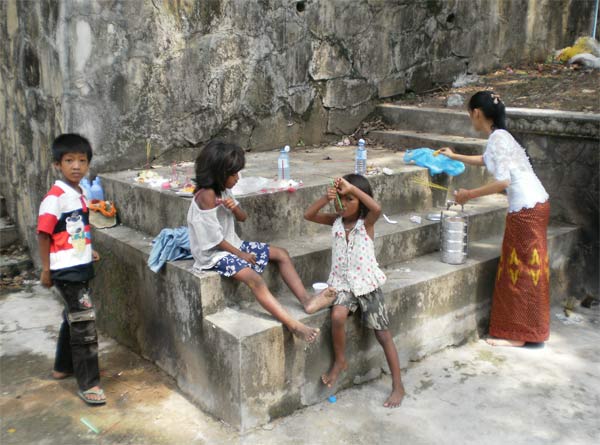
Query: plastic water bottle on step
x=86, y=187
x=360, y=161
x=96, y=189
x=283, y=164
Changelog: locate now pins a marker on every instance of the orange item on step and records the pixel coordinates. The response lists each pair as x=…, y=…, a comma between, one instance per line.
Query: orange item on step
x=107, y=208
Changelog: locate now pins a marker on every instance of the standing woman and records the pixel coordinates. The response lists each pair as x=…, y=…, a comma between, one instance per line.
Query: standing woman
x=521, y=302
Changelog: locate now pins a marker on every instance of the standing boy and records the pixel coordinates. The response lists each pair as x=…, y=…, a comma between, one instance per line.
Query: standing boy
x=66, y=254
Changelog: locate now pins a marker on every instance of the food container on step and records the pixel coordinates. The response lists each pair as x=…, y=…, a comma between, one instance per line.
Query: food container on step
x=318, y=287
x=454, y=230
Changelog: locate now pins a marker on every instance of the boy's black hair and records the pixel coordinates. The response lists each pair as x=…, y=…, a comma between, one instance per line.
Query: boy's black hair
x=363, y=184
x=491, y=106
x=70, y=143
x=216, y=162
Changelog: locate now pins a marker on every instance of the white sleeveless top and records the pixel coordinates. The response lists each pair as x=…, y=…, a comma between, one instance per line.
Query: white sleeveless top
x=507, y=160
x=207, y=228
x=353, y=264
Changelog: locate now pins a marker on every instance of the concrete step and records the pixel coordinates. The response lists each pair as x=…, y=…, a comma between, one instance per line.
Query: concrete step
x=9, y=233
x=262, y=371
x=522, y=120
x=408, y=139
x=13, y=264
x=280, y=215
x=311, y=256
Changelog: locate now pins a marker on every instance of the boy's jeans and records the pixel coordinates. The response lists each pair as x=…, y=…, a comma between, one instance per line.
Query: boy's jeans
x=77, y=348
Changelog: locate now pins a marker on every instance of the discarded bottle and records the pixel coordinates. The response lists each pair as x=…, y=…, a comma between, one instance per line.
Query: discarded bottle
x=360, y=161
x=86, y=187
x=96, y=189
x=283, y=164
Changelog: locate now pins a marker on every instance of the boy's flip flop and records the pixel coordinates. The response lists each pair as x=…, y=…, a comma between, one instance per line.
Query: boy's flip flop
x=97, y=392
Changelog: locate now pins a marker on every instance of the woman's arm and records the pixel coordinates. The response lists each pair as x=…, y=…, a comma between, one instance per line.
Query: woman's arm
x=463, y=195
x=467, y=159
x=312, y=213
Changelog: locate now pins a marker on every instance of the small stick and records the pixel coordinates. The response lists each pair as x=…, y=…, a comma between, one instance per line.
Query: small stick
x=337, y=195
x=430, y=184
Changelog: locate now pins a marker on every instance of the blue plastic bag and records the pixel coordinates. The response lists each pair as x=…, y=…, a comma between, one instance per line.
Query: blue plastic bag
x=423, y=157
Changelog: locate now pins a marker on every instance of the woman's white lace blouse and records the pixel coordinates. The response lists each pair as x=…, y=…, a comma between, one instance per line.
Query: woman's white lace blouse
x=507, y=160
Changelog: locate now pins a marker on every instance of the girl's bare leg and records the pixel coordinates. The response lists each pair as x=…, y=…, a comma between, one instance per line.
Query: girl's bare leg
x=385, y=339
x=266, y=299
x=339, y=315
x=292, y=280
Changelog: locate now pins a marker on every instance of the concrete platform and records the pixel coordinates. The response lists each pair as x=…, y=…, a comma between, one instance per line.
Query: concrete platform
x=237, y=362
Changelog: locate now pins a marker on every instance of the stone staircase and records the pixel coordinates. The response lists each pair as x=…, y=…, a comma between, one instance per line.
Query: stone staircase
x=230, y=356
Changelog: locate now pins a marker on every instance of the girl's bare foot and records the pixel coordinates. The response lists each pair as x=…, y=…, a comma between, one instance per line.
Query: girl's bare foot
x=320, y=301
x=504, y=342
x=331, y=377
x=395, y=398
x=57, y=375
x=305, y=333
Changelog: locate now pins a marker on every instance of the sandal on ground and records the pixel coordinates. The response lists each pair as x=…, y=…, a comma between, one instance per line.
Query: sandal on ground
x=97, y=392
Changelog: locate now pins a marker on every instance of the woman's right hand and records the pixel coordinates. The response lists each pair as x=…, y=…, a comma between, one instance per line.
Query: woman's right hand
x=447, y=151
x=249, y=257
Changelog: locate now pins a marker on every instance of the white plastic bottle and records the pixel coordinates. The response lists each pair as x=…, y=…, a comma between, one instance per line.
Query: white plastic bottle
x=360, y=161
x=283, y=164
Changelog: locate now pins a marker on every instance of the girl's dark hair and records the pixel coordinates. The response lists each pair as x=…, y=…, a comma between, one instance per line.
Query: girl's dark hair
x=215, y=163
x=491, y=106
x=363, y=184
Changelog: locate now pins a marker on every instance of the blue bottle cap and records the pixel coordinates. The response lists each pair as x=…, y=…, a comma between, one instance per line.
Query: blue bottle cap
x=332, y=399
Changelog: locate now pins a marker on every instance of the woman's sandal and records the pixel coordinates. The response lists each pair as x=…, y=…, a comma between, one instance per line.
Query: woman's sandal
x=97, y=392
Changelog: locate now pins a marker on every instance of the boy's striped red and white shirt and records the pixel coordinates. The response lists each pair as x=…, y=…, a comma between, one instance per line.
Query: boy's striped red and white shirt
x=64, y=216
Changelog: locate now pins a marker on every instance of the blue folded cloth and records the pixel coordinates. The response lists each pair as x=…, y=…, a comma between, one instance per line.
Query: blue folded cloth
x=169, y=245
x=423, y=157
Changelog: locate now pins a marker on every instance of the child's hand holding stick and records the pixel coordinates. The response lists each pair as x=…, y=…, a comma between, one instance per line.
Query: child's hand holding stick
x=333, y=185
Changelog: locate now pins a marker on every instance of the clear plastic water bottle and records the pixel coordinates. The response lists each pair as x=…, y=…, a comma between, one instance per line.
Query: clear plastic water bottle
x=360, y=161
x=283, y=164
x=86, y=187
x=96, y=189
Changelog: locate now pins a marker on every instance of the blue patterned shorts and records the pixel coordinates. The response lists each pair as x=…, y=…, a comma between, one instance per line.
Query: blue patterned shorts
x=231, y=264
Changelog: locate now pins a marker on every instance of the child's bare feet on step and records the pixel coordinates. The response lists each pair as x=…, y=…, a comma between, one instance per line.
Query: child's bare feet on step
x=395, y=398
x=331, y=377
x=320, y=301
x=306, y=333
x=504, y=342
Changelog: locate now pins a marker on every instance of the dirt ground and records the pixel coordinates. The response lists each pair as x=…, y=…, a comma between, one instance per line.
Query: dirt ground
x=544, y=85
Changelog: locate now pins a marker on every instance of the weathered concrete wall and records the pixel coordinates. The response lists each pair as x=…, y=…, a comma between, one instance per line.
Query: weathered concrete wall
x=261, y=73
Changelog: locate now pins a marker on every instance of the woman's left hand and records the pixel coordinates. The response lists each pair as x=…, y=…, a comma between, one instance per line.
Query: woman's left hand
x=95, y=256
x=462, y=196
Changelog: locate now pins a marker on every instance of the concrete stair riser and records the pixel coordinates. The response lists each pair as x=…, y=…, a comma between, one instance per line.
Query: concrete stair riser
x=276, y=215
x=312, y=259
x=9, y=234
x=518, y=120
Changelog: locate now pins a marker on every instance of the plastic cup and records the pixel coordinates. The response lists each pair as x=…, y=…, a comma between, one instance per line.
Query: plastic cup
x=318, y=287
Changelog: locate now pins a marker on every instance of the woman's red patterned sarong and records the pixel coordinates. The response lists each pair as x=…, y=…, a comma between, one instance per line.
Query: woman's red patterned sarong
x=521, y=302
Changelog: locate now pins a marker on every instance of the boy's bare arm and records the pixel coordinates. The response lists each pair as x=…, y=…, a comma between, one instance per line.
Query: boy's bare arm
x=312, y=213
x=44, y=247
